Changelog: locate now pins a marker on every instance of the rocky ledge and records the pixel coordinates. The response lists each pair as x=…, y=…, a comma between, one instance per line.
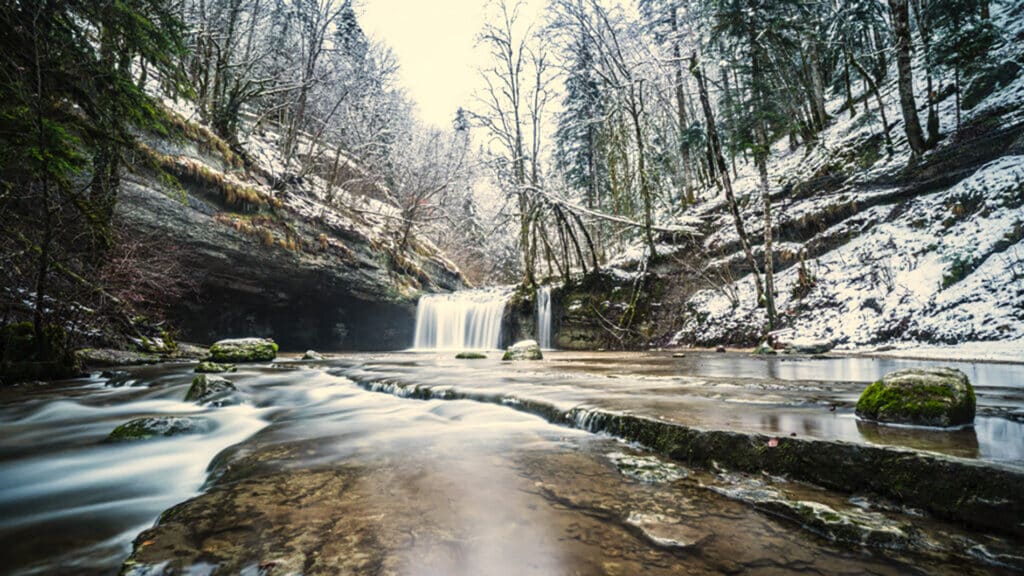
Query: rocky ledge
x=982, y=495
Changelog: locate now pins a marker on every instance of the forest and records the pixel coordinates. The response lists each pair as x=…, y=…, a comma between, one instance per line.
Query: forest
x=678, y=286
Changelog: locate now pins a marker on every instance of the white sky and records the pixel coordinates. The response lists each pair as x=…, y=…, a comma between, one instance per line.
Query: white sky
x=435, y=43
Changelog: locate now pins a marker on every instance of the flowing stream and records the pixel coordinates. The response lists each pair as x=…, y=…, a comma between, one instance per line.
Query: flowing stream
x=465, y=320
x=316, y=471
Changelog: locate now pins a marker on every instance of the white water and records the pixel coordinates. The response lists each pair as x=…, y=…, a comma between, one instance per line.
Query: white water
x=467, y=320
x=544, y=317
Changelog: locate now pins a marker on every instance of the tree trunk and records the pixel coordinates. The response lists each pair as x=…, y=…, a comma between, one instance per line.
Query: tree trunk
x=924, y=30
x=901, y=35
x=715, y=149
x=873, y=88
x=818, y=87
x=635, y=110
x=684, y=147
x=761, y=152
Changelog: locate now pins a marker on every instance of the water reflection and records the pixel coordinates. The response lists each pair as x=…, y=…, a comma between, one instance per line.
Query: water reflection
x=962, y=442
x=811, y=397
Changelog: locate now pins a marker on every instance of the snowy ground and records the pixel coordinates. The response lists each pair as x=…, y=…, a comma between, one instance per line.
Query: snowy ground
x=1004, y=351
x=946, y=266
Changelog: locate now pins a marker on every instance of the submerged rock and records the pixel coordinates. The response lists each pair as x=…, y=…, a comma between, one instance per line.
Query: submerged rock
x=922, y=397
x=667, y=531
x=470, y=356
x=851, y=526
x=524, y=350
x=146, y=428
x=647, y=469
x=312, y=355
x=209, y=388
x=243, y=350
x=205, y=367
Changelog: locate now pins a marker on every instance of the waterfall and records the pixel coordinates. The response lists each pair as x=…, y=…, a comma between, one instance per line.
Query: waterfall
x=544, y=317
x=467, y=320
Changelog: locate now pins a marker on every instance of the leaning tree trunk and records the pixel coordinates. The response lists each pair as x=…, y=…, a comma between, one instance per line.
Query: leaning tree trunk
x=901, y=35
x=715, y=150
x=873, y=88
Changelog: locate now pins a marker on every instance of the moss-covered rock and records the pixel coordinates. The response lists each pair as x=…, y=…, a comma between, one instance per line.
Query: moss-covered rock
x=162, y=426
x=243, y=350
x=524, y=350
x=470, y=356
x=764, y=349
x=809, y=346
x=923, y=397
x=209, y=388
x=206, y=367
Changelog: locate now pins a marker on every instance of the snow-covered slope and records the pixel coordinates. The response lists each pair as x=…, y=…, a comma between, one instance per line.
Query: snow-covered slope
x=872, y=249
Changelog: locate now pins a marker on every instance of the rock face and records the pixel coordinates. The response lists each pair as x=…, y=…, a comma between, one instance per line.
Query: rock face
x=243, y=350
x=312, y=295
x=922, y=397
x=524, y=350
x=209, y=388
x=146, y=428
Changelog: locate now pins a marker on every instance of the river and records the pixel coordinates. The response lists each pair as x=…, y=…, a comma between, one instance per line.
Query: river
x=315, y=470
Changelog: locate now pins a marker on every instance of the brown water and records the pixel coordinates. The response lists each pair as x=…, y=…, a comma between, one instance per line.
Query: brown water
x=317, y=475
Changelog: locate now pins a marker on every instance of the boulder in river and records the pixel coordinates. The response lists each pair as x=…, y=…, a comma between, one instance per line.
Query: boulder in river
x=470, y=356
x=209, y=388
x=146, y=428
x=920, y=396
x=764, y=349
x=523, y=350
x=243, y=350
x=809, y=346
x=206, y=367
x=312, y=355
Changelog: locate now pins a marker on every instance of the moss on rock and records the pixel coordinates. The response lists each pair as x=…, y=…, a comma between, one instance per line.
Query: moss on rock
x=146, y=428
x=206, y=367
x=209, y=388
x=524, y=350
x=923, y=397
x=243, y=350
x=470, y=356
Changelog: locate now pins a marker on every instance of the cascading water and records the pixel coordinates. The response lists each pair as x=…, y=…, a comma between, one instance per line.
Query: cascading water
x=544, y=317
x=467, y=320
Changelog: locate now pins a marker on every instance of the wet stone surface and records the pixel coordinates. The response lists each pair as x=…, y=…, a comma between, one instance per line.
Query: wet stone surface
x=315, y=474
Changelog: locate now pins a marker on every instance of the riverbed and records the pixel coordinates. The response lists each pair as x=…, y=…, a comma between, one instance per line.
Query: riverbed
x=338, y=466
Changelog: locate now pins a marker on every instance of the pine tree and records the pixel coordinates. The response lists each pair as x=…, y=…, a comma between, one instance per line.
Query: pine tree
x=963, y=42
x=577, y=134
x=68, y=105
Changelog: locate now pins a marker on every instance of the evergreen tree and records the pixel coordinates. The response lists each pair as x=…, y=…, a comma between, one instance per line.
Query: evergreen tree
x=68, y=105
x=963, y=41
x=577, y=135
